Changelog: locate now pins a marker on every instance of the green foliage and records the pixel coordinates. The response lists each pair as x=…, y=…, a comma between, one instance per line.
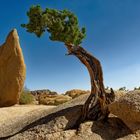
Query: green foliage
x=122, y=89
x=26, y=97
x=61, y=24
x=137, y=88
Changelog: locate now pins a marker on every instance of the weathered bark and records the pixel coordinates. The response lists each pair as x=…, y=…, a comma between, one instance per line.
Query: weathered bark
x=95, y=107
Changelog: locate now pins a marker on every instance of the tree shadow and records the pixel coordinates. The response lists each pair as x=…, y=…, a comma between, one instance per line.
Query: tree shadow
x=111, y=129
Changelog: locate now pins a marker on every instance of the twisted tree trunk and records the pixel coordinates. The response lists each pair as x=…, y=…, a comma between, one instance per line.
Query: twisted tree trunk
x=95, y=108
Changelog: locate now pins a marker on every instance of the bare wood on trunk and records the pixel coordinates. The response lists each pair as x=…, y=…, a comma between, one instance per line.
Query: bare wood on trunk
x=95, y=108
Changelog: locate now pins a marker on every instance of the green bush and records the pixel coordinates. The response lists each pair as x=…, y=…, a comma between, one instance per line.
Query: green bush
x=137, y=88
x=122, y=89
x=26, y=97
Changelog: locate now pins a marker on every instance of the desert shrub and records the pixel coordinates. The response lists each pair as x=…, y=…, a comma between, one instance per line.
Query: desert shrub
x=122, y=89
x=137, y=88
x=26, y=97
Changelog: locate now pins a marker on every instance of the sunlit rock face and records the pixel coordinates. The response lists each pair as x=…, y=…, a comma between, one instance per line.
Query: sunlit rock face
x=12, y=70
x=127, y=108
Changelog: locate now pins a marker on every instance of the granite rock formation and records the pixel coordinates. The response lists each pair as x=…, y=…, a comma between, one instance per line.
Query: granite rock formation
x=12, y=70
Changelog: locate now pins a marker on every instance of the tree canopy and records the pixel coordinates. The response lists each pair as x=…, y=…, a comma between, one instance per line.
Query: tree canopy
x=62, y=25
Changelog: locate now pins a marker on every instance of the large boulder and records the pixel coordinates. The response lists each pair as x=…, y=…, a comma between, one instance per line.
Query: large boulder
x=12, y=70
x=119, y=94
x=76, y=92
x=127, y=108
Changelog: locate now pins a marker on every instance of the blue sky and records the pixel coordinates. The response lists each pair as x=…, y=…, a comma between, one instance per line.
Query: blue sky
x=113, y=36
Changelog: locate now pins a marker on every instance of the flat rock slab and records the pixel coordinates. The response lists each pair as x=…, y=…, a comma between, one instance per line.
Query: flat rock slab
x=45, y=120
x=7, y=114
x=15, y=118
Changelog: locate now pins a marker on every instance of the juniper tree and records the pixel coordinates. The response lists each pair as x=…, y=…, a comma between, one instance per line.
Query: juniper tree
x=63, y=26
